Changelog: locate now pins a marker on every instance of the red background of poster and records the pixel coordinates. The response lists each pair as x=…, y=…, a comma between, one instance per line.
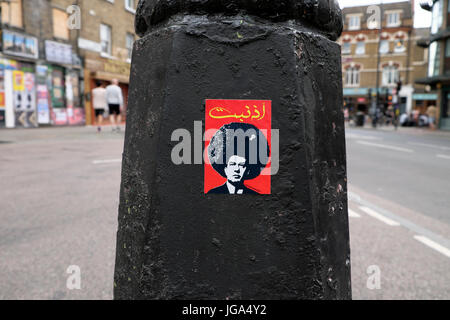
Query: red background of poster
x=260, y=184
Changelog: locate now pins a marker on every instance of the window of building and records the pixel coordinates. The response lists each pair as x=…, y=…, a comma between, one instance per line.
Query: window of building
x=399, y=46
x=434, y=59
x=130, y=5
x=360, y=47
x=393, y=19
x=447, y=48
x=436, y=20
x=352, y=76
x=105, y=39
x=354, y=22
x=346, y=48
x=129, y=44
x=390, y=75
x=60, y=29
x=384, y=46
x=12, y=13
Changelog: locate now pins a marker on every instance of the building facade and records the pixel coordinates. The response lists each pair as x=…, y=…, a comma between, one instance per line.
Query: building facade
x=375, y=60
x=438, y=44
x=53, y=51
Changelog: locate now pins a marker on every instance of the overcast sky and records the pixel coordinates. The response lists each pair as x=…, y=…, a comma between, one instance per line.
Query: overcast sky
x=422, y=17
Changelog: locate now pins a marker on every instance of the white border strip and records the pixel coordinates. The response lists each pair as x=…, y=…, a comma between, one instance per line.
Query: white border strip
x=106, y=161
x=380, y=217
x=434, y=245
x=384, y=146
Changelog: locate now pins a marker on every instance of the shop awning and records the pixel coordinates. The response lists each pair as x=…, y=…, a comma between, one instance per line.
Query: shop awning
x=443, y=79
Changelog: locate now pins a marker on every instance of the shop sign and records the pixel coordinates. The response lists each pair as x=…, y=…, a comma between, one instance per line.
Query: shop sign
x=117, y=67
x=20, y=45
x=58, y=52
x=89, y=45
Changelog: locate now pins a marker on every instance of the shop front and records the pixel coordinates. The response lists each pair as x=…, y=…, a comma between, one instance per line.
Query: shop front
x=102, y=70
x=17, y=80
x=63, y=85
x=36, y=92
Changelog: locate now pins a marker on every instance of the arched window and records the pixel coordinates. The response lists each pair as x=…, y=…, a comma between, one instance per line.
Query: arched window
x=399, y=43
x=360, y=45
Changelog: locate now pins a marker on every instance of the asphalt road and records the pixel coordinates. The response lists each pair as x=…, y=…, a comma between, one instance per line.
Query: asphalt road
x=59, y=198
x=399, y=199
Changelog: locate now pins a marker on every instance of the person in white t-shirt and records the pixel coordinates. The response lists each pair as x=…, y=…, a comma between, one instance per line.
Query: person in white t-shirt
x=99, y=103
x=114, y=98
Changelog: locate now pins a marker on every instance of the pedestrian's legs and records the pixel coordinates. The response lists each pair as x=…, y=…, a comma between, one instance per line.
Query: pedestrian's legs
x=99, y=122
x=119, y=121
x=112, y=119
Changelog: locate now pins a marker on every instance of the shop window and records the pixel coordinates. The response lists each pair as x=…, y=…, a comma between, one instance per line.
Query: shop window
x=352, y=76
x=130, y=5
x=129, y=44
x=60, y=29
x=12, y=13
x=384, y=46
x=354, y=22
x=346, y=48
x=390, y=75
x=105, y=39
x=360, y=47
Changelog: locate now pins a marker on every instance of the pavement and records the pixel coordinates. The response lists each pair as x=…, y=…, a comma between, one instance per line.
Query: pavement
x=399, y=199
x=60, y=193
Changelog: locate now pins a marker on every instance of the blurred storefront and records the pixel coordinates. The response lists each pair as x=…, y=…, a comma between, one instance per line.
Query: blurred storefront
x=35, y=91
x=103, y=70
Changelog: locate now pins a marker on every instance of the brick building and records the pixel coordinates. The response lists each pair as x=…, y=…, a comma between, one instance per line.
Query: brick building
x=52, y=53
x=393, y=48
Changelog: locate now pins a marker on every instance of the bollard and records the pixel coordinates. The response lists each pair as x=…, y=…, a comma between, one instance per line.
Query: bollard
x=280, y=236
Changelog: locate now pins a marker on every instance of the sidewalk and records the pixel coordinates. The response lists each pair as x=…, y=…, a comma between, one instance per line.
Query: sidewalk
x=57, y=133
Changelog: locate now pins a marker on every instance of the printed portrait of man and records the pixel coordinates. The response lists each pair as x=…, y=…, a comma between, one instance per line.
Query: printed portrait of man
x=238, y=152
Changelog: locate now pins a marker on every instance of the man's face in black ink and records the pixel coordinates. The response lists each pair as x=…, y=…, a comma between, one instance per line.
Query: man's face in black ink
x=235, y=169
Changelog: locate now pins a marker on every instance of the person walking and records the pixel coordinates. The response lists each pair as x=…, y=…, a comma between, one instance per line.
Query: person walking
x=99, y=102
x=431, y=112
x=114, y=98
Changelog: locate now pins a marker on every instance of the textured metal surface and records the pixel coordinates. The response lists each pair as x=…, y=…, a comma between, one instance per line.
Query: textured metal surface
x=175, y=242
x=324, y=15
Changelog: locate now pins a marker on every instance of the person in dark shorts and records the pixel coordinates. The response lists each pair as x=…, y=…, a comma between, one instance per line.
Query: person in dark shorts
x=99, y=103
x=114, y=98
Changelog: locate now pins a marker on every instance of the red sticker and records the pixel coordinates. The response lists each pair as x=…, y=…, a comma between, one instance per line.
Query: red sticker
x=238, y=146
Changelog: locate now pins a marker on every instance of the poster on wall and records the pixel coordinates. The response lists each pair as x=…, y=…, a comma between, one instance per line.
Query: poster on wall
x=74, y=112
x=21, y=45
x=24, y=99
x=58, y=111
x=43, y=108
x=2, y=99
x=238, y=145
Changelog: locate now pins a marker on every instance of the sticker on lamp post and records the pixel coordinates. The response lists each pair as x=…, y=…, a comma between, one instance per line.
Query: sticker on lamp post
x=238, y=147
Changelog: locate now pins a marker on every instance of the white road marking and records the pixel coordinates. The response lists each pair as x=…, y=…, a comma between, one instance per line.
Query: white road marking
x=443, y=156
x=434, y=245
x=353, y=196
x=106, y=161
x=384, y=146
x=429, y=145
x=380, y=217
x=353, y=214
x=360, y=136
